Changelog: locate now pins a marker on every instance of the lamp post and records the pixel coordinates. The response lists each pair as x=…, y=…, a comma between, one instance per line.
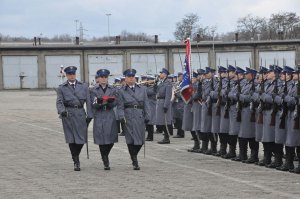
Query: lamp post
x=76, y=28
x=108, y=15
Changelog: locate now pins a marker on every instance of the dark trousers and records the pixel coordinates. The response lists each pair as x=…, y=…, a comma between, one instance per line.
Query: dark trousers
x=178, y=126
x=75, y=149
x=105, y=149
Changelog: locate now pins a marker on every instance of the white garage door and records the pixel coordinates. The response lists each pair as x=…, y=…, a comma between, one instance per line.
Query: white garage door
x=148, y=63
x=198, y=60
x=53, y=64
x=114, y=63
x=279, y=58
x=240, y=59
x=16, y=66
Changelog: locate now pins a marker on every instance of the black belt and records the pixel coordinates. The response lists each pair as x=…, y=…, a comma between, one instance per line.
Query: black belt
x=134, y=106
x=73, y=106
x=160, y=98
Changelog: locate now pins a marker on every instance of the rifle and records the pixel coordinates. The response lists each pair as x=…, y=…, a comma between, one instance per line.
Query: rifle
x=238, y=103
x=252, y=103
x=274, y=106
x=284, y=106
x=261, y=105
x=218, y=111
x=209, y=104
x=227, y=105
x=297, y=107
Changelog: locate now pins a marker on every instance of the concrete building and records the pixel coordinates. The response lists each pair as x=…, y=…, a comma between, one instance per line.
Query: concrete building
x=31, y=66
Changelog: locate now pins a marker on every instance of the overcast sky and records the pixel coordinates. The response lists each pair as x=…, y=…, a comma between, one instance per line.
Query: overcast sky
x=29, y=18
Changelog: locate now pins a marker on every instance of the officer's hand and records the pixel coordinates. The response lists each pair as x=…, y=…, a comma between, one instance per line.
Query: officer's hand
x=146, y=121
x=64, y=114
x=165, y=109
x=88, y=120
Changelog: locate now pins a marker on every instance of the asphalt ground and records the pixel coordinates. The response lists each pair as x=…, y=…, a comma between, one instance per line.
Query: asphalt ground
x=35, y=162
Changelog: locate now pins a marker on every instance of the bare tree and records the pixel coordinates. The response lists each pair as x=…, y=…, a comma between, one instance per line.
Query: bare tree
x=249, y=26
x=186, y=27
x=286, y=23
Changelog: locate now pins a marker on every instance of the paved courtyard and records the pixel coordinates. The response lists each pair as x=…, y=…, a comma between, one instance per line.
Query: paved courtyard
x=35, y=162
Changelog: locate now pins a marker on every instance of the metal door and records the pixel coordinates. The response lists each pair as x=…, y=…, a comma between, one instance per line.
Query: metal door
x=20, y=72
x=198, y=60
x=280, y=58
x=148, y=63
x=54, y=65
x=114, y=63
x=240, y=59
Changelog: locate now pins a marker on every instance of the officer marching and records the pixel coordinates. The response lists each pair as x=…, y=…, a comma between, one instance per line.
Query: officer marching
x=164, y=106
x=134, y=113
x=71, y=97
x=104, y=99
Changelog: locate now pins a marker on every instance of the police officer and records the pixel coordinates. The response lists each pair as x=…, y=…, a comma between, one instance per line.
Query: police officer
x=234, y=127
x=196, y=110
x=247, y=128
x=268, y=133
x=187, y=124
x=177, y=105
x=103, y=98
x=288, y=106
x=280, y=133
x=71, y=97
x=152, y=103
x=221, y=101
x=134, y=112
x=163, y=106
x=206, y=112
x=225, y=114
x=262, y=82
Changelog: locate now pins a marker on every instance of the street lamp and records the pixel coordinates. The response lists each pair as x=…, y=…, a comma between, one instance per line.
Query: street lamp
x=108, y=15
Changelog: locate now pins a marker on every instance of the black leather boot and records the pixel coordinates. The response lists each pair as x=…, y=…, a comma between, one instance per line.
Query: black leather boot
x=150, y=130
x=297, y=169
x=277, y=162
x=76, y=163
x=106, y=162
x=289, y=160
x=223, y=146
x=254, y=146
x=232, y=140
x=222, y=151
x=204, y=147
x=166, y=139
x=196, y=146
x=243, y=148
x=135, y=163
x=213, y=148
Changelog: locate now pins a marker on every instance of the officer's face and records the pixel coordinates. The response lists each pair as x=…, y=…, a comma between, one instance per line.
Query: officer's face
x=71, y=77
x=102, y=80
x=241, y=76
x=282, y=76
x=248, y=76
x=295, y=76
x=208, y=75
x=179, y=77
x=231, y=74
x=162, y=76
x=194, y=79
x=271, y=75
x=130, y=80
x=223, y=75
